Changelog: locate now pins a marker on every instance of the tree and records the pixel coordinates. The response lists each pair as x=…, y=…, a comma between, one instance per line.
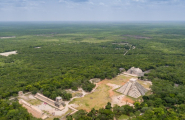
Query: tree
x=108, y=106
x=56, y=119
x=137, y=105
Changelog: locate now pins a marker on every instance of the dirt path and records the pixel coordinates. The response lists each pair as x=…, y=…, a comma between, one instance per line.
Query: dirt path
x=95, y=88
x=111, y=92
x=83, y=94
x=125, y=53
x=129, y=49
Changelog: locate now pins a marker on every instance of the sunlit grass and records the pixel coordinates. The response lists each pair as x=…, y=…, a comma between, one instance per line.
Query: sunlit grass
x=100, y=97
x=96, y=100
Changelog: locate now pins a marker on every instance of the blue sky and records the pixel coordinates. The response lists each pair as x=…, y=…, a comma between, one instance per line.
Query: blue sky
x=92, y=10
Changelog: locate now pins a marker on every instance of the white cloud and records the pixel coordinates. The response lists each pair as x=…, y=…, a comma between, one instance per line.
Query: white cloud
x=101, y=3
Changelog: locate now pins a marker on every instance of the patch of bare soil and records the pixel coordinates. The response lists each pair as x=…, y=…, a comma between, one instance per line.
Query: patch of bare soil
x=125, y=82
x=127, y=100
x=111, y=92
x=24, y=98
x=31, y=96
x=102, y=82
x=117, y=100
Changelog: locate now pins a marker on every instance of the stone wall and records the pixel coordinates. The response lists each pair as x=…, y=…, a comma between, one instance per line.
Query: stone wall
x=31, y=109
x=47, y=100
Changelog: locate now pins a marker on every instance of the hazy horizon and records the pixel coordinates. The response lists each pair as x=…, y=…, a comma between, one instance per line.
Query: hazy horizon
x=92, y=10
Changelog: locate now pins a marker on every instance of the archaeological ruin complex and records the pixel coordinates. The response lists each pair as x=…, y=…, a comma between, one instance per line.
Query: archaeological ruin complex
x=33, y=110
x=58, y=104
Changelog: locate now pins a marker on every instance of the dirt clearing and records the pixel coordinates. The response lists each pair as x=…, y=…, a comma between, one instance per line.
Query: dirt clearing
x=8, y=53
x=128, y=100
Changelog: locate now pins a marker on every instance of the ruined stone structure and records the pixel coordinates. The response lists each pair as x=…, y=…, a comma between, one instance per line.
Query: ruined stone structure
x=132, y=89
x=121, y=69
x=59, y=104
x=20, y=93
x=33, y=110
x=135, y=71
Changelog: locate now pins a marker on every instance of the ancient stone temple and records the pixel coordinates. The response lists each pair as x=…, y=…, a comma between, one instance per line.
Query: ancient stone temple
x=132, y=89
x=59, y=102
x=136, y=71
x=20, y=93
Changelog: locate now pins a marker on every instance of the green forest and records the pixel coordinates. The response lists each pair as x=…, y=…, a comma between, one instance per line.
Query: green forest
x=54, y=56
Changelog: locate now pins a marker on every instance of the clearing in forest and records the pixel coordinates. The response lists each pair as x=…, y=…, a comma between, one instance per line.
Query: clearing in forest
x=97, y=99
x=105, y=92
x=7, y=37
x=8, y=53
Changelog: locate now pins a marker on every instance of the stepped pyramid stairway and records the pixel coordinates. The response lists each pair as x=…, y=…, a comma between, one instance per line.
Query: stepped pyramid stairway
x=132, y=89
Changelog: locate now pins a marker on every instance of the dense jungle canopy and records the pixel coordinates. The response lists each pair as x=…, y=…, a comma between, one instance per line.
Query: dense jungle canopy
x=70, y=54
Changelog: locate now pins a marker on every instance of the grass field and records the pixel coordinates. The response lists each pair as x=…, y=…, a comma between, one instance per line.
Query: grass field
x=35, y=102
x=96, y=100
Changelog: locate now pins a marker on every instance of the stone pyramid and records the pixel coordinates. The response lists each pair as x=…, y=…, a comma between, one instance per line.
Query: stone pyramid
x=132, y=89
